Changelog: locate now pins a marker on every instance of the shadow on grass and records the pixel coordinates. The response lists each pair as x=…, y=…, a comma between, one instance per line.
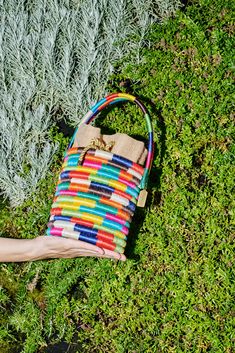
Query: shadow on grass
x=154, y=195
x=62, y=347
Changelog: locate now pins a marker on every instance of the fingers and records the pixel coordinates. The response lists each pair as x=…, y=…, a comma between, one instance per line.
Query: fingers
x=87, y=249
x=70, y=248
x=108, y=254
x=90, y=247
x=78, y=245
x=120, y=257
x=115, y=255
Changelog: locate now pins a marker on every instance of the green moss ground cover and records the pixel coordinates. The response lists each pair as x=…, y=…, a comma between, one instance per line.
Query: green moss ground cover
x=176, y=291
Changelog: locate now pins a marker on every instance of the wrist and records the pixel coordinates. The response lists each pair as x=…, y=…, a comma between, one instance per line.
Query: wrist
x=41, y=248
x=47, y=247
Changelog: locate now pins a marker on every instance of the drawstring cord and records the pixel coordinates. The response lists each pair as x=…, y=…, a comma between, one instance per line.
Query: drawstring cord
x=96, y=143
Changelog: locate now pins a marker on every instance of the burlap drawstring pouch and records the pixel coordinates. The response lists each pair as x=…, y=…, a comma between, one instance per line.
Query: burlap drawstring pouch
x=98, y=191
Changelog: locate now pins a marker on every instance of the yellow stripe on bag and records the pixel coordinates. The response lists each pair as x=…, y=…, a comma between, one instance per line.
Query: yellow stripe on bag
x=93, y=218
x=79, y=168
x=77, y=201
x=117, y=185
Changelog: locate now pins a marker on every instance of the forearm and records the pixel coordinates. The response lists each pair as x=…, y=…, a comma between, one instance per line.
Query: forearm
x=18, y=250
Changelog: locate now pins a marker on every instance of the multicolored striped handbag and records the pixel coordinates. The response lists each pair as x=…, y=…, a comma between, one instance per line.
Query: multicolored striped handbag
x=98, y=191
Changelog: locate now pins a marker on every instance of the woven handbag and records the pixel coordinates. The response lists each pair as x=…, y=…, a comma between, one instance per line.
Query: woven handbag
x=97, y=191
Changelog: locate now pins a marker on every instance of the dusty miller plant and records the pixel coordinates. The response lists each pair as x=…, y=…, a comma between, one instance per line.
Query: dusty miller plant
x=55, y=59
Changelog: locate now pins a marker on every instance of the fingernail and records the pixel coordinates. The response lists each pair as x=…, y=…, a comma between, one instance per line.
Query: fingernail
x=101, y=251
x=122, y=257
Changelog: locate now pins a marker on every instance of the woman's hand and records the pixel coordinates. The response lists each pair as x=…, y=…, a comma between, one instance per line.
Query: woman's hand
x=59, y=247
x=45, y=247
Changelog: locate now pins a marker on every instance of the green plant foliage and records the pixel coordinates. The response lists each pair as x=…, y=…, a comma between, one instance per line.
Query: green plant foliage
x=175, y=293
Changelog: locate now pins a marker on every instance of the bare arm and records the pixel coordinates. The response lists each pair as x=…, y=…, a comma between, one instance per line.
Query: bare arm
x=18, y=250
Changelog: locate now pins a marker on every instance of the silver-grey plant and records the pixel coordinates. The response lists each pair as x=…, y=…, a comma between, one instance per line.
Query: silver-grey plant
x=55, y=59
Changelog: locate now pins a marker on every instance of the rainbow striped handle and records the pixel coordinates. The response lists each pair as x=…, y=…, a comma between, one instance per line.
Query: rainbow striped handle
x=122, y=97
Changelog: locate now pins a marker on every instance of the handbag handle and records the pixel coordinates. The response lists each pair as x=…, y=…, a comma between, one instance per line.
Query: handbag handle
x=122, y=97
